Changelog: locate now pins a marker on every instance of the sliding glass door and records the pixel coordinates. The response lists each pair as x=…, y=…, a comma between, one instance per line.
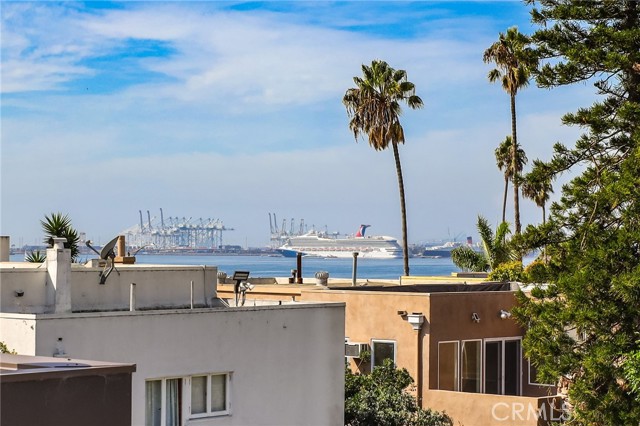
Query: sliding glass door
x=502, y=367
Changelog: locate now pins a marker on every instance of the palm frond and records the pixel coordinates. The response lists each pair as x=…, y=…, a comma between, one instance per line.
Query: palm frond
x=35, y=257
x=58, y=225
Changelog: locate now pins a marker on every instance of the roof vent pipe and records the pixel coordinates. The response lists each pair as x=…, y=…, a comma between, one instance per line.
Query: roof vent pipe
x=355, y=269
x=132, y=297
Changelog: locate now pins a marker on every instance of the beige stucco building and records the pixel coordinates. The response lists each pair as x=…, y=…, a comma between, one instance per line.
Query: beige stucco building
x=456, y=338
x=199, y=361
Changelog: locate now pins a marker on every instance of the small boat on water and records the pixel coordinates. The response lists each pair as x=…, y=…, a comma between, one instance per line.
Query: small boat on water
x=321, y=244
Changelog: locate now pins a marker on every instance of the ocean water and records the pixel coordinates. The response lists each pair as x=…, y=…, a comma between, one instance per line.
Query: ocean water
x=270, y=266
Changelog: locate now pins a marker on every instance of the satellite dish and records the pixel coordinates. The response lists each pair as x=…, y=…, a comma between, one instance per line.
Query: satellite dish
x=107, y=253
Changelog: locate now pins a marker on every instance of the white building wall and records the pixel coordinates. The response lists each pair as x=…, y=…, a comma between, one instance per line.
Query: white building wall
x=18, y=331
x=24, y=288
x=286, y=361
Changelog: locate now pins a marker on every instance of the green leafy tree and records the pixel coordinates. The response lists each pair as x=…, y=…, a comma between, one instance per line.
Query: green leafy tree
x=504, y=162
x=468, y=259
x=59, y=225
x=632, y=371
x=514, y=64
x=381, y=399
x=584, y=325
x=373, y=107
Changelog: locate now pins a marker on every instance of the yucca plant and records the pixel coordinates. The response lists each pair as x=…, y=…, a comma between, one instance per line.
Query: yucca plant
x=35, y=257
x=59, y=225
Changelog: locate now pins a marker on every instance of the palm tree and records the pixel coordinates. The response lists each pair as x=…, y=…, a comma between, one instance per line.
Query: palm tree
x=495, y=246
x=514, y=63
x=373, y=107
x=59, y=225
x=495, y=249
x=504, y=163
x=537, y=187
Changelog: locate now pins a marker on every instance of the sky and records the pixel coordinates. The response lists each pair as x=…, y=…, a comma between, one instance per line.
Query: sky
x=233, y=110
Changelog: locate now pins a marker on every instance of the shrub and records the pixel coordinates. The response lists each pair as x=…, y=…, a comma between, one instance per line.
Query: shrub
x=536, y=272
x=508, y=271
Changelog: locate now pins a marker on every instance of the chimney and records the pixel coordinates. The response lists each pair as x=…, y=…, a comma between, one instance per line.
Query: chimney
x=59, y=275
x=122, y=255
x=4, y=248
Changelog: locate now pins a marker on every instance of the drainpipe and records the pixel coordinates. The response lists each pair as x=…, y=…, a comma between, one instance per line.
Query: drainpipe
x=419, y=368
x=416, y=320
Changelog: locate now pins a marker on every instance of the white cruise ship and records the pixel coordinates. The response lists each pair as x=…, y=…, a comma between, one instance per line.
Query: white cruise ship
x=322, y=245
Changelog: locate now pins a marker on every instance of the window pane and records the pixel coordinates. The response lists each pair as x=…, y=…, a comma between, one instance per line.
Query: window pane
x=382, y=351
x=448, y=366
x=199, y=395
x=153, y=398
x=219, y=392
x=493, y=368
x=471, y=366
x=512, y=367
x=173, y=400
x=533, y=375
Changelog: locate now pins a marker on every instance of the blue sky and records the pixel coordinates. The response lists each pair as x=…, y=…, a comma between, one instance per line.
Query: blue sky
x=233, y=110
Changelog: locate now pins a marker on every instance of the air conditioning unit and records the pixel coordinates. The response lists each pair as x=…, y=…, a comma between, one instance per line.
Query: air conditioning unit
x=353, y=350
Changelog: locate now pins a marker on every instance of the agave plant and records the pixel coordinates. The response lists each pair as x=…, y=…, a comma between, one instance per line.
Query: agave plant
x=35, y=257
x=59, y=225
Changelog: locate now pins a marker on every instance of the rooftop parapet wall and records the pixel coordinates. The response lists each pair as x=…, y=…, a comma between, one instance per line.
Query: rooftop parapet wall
x=24, y=287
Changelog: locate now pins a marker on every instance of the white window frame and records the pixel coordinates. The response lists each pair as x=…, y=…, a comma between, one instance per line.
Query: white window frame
x=395, y=350
x=458, y=371
x=530, y=382
x=163, y=398
x=503, y=340
x=208, y=412
x=481, y=378
x=185, y=408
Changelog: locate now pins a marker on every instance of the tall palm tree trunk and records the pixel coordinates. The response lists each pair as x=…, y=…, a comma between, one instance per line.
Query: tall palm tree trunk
x=403, y=209
x=504, y=199
x=514, y=166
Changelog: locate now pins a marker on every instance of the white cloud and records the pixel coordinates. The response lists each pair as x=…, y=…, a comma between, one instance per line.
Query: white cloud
x=248, y=121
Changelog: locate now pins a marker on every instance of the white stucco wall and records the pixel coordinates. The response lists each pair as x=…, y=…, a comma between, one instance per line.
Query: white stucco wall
x=18, y=331
x=28, y=279
x=156, y=286
x=286, y=361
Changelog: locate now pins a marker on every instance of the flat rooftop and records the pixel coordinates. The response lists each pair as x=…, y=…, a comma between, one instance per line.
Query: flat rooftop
x=433, y=288
x=20, y=368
